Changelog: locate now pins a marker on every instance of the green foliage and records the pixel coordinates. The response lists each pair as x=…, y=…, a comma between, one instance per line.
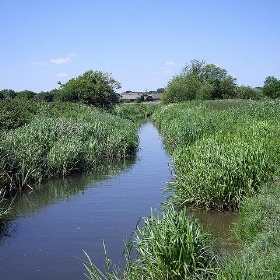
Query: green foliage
x=246, y=92
x=221, y=153
x=199, y=80
x=271, y=87
x=93, y=88
x=258, y=229
x=26, y=94
x=167, y=245
x=4, y=212
x=7, y=93
x=135, y=111
x=180, y=88
x=15, y=113
x=63, y=139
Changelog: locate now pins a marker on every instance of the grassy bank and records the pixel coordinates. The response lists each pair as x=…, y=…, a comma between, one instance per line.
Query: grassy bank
x=226, y=156
x=164, y=246
x=222, y=152
x=135, y=111
x=60, y=139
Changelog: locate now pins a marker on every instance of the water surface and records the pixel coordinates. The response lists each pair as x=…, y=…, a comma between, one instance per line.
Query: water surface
x=64, y=217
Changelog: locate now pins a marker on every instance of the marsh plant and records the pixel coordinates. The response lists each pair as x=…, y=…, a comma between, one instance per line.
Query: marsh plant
x=166, y=245
x=62, y=140
x=221, y=153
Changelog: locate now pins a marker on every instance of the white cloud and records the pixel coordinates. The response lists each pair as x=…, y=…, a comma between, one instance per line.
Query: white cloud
x=39, y=63
x=62, y=75
x=72, y=54
x=61, y=60
x=169, y=63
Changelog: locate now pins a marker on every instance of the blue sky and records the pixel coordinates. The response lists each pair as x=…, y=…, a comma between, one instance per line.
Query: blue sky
x=143, y=44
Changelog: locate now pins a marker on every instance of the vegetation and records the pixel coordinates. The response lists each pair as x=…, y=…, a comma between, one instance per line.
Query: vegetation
x=199, y=80
x=135, y=111
x=258, y=231
x=226, y=156
x=167, y=246
x=93, y=88
x=62, y=139
x=271, y=87
x=220, y=156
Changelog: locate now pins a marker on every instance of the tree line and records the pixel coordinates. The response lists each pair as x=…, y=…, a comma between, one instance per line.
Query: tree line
x=197, y=80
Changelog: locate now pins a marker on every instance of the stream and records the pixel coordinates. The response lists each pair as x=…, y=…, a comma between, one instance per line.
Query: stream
x=55, y=222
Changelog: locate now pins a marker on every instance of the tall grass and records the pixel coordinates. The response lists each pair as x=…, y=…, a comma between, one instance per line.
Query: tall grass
x=258, y=229
x=221, y=153
x=166, y=245
x=63, y=139
x=135, y=111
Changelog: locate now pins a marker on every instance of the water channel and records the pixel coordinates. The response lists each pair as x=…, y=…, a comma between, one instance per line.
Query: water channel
x=55, y=222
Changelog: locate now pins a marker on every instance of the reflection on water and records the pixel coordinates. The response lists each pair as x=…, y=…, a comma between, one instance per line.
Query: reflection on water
x=57, y=190
x=219, y=224
x=57, y=220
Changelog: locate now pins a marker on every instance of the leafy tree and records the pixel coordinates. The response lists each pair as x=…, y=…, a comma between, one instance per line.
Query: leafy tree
x=271, y=87
x=247, y=92
x=46, y=95
x=7, y=93
x=93, y=87
x=25, y=94
x=180, y=88
x=199, y=80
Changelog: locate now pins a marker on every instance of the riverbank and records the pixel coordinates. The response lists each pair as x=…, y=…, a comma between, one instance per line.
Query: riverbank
x=226, y=156
x=62, y=139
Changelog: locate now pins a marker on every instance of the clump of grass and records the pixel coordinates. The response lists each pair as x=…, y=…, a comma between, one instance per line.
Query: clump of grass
x=166, y=245
x=135, y=111
x=258, y=230
x=70, y=141
x=221, y=153
x=220, y=174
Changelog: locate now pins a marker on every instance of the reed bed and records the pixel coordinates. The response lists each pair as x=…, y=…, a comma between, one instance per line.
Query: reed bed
x=63, y=139
x=135, y=111
x=221, y=153
x=166, y=245
x=258, y=229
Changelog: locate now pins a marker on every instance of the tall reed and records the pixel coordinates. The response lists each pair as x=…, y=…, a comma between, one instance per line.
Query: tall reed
x=221, y=153
x=59, y=142
x=166, y=246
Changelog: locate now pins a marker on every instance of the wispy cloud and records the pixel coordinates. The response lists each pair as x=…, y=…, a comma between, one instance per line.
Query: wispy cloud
x=40, y=63
x=169, y=63
x=62, y=75
x=61, y=60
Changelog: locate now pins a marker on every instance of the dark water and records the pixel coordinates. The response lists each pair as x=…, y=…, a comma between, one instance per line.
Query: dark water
x=58, y=220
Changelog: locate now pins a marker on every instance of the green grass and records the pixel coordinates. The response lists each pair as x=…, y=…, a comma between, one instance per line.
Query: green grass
x=222, y=153
x=62, y=139
x=258, y=229
x=167, y=245
x=135, y=111
x=227, y=156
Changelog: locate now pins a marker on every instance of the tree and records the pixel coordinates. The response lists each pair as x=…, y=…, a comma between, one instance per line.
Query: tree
x=7, y=93
x=199, y=80
x=25, y=94
x=247, y=92
x=93, y=87
x=271, y=87
x=180, y=88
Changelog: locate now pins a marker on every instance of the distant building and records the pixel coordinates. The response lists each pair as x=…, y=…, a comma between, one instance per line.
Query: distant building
x=133, y=96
